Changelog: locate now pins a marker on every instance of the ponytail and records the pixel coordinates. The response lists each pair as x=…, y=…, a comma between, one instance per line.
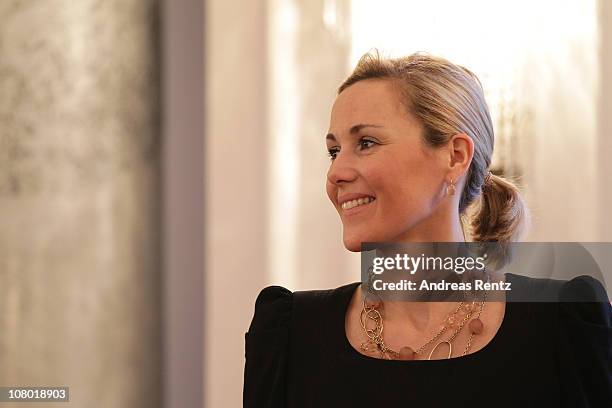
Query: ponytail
x=500, y=213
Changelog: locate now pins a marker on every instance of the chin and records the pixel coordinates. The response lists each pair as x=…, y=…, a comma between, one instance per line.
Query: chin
x=353, y=247
x=353, y=243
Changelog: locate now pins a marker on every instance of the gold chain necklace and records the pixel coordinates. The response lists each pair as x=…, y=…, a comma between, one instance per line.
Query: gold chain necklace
x=376, y=340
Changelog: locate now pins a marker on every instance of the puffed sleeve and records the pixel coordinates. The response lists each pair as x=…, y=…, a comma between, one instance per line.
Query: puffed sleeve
x=585, y=344
x=266, y=349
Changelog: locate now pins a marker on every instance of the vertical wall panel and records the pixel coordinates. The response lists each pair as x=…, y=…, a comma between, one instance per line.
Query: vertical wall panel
x=183, y=225
x=604, y=142
x=79, y=199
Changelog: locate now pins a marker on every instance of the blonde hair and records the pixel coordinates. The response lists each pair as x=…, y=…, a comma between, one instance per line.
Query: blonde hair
x=449, y=99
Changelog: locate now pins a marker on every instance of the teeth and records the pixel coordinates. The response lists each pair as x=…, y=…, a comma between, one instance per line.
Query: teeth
x=354, y=203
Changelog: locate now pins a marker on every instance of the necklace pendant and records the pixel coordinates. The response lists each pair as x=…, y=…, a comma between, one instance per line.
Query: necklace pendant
x=476, y=326
x=368, y=346
x=406, y=353
x=450, y=349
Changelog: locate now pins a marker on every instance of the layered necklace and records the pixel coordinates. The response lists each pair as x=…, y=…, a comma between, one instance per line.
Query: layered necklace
x=467, y=313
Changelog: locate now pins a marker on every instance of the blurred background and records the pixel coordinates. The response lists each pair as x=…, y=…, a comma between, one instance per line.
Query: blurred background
x=163, y=161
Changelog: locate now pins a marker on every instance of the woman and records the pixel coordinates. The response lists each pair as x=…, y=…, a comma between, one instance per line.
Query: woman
x=410, y=142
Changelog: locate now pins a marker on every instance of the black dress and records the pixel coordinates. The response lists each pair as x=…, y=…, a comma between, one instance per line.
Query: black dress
x=543, y=355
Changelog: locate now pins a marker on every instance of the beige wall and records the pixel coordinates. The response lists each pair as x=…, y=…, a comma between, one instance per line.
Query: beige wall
x=567, y=91
x=267, y=216
x=604, y=123
x=236, y=156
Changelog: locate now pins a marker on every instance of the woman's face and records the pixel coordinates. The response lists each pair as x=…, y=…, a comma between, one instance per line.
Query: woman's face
x=385, y=183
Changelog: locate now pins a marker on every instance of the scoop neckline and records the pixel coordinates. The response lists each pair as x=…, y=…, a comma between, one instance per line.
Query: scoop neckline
x=352, y=353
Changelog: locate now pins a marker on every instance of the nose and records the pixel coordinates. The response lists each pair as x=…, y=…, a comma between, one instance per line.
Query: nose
x=342, y=170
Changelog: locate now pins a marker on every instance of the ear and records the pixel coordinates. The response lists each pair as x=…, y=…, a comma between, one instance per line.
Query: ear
x=461, y=151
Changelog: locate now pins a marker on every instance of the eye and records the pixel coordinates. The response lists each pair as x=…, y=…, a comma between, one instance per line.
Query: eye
x=333, y=152
x=366, y=144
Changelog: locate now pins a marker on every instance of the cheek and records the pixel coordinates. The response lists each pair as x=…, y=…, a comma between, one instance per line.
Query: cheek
x=405, y=189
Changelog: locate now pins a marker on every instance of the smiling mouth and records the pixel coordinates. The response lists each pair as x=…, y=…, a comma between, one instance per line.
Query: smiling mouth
x=347, y=205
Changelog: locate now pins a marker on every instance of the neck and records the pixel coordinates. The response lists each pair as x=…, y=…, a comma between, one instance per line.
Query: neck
x=444, y=226
x=441, y=226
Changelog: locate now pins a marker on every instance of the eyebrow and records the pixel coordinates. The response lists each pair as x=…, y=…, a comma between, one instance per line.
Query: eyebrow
x=354, y=129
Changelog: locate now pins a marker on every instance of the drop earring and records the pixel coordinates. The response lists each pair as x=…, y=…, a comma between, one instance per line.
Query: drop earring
x=450, y=189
